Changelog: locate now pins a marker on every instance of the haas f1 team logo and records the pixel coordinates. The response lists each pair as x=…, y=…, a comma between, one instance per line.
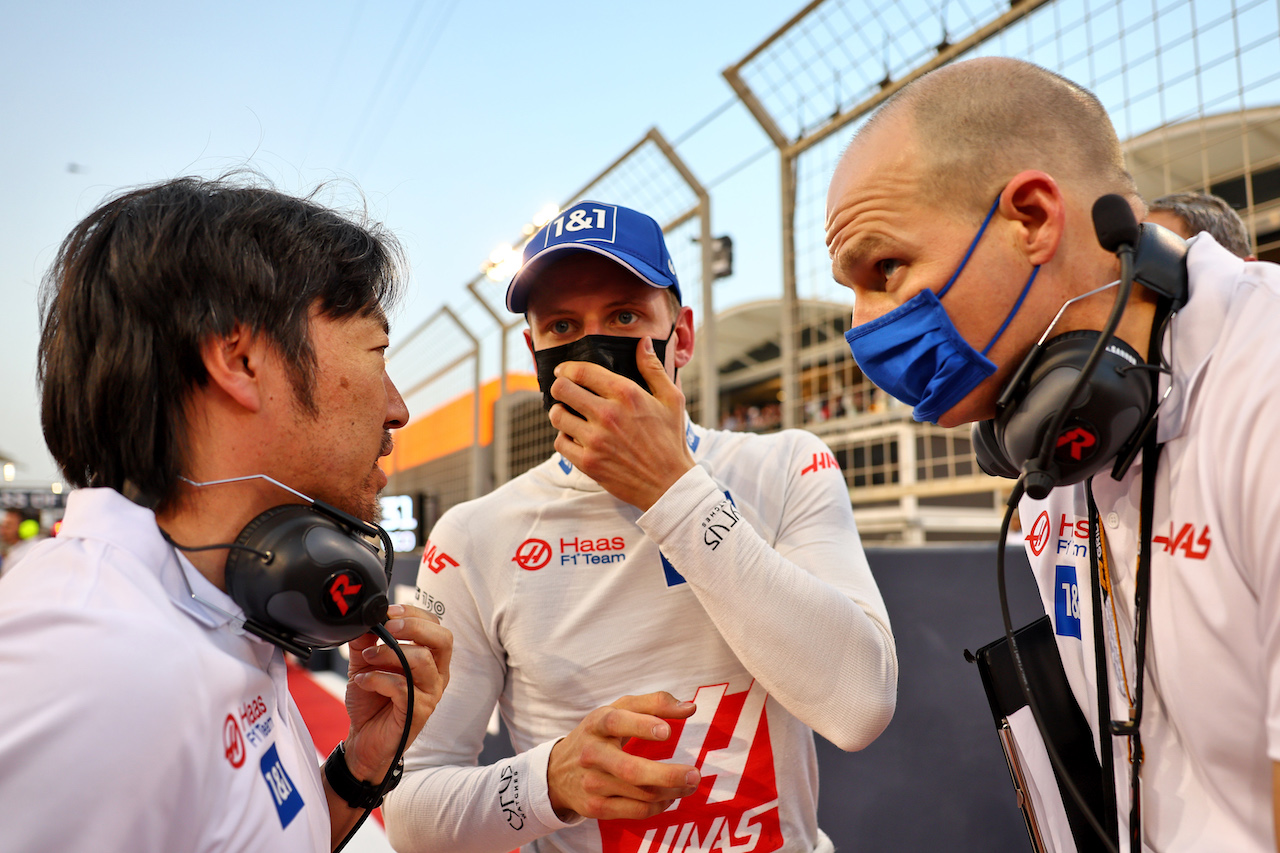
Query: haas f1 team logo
x=533, y=554
x=1038, y=536
x=735, y=809
x=232, y=741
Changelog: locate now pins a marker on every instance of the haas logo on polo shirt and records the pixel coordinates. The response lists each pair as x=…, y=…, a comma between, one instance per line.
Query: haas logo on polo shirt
x=735, y=809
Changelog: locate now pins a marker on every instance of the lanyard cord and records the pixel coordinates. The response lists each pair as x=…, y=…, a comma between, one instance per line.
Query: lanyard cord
x=1142, y=608
x=1129, y=728
x=1102, y=575
x=1106, y=753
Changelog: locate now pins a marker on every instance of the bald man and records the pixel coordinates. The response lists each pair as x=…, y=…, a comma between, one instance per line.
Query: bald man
x=960, y=217
x=1187, y=214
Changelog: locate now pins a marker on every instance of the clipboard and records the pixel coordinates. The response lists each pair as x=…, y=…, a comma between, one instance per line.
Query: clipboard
x=1067, y=727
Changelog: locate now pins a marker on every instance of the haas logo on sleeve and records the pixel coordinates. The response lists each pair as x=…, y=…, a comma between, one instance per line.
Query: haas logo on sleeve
x=735, y=809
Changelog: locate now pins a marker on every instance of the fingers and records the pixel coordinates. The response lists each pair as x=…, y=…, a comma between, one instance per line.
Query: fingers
x=652, y=369
x=659, y=704
x=571, y=389
x=619, y=724
x=428, y=650
x=585, y=386
x=589, y=773
x=636, y=777
x=628, y=718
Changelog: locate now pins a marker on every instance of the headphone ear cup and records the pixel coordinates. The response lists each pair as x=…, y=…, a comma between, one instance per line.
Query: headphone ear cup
x=1108, y=413
x=247, y=564
x=302, y=574
x=990, y=452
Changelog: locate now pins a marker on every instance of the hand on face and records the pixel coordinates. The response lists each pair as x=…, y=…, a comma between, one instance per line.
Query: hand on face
x=630, y=442
x=589, y=774
x=377, y=694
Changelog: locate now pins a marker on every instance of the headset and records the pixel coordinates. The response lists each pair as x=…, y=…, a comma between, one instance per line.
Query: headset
x=306, y=575
x=1083, y=398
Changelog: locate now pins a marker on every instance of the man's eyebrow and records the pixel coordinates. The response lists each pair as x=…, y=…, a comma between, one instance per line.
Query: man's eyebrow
x=856, y=254
x=638, y=299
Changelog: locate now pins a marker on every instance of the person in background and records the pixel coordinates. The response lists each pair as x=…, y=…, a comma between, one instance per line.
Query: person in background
x=1187, y=214
x=19, y=533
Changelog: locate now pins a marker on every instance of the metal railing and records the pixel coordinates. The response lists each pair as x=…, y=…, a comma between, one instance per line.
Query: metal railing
x=1193, y=88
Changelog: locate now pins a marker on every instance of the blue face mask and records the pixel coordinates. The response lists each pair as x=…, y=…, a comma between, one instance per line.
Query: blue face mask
x=915, y=354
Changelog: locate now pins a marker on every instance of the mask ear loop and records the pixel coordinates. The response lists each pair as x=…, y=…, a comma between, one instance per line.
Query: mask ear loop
x=969, y=253
x=1026, y=288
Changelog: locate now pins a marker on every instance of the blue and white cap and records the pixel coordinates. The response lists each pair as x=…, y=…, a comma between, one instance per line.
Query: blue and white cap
x=624, y=235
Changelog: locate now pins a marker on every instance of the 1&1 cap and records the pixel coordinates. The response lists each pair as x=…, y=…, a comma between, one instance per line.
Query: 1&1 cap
x=621, y=234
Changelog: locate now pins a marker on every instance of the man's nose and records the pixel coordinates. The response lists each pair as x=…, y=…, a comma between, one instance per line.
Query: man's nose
x=397, y=412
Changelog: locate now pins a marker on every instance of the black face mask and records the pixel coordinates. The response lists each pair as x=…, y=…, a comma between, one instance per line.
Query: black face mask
x=613, y=353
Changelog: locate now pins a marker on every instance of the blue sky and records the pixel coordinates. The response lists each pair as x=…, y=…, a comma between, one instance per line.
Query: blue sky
x=454, y=120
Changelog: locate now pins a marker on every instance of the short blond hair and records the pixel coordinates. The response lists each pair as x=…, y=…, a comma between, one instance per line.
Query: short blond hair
x=982, y=121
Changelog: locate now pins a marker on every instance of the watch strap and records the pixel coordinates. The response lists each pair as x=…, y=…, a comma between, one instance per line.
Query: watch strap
x=355, y=792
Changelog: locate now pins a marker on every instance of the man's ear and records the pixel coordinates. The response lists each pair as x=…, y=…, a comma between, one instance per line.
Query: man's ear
x=684, y=336
x=234, y=363
x=1033, y=201
x=528, y=341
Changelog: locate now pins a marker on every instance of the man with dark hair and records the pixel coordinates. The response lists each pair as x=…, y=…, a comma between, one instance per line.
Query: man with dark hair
x=660, y=612
x=199, y=332
x=1187, y=214
x=961, y=219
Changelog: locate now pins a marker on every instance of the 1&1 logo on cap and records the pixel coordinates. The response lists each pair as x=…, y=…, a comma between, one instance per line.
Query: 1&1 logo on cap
x=593, y=220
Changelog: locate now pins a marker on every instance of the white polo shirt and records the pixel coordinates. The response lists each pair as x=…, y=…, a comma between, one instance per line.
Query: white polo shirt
x=134, y=718
x=1211, y=721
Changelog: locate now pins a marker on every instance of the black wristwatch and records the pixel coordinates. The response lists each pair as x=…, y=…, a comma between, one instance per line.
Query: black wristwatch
x=357, y=793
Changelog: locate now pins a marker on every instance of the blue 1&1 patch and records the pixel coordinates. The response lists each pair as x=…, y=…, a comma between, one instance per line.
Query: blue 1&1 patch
x=283, y=792
x=1066, y=603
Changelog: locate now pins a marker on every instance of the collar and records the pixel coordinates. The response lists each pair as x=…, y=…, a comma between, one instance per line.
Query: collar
x=565, y=474
x=1194, y=332
x=105, y=515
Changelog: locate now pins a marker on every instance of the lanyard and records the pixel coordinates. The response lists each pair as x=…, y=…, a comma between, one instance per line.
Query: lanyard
x=1102, y=579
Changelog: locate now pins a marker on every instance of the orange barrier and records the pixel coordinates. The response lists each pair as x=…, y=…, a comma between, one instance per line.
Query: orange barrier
x=449, y=428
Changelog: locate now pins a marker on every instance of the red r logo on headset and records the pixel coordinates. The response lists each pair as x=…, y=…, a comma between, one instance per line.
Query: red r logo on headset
x=342, y=587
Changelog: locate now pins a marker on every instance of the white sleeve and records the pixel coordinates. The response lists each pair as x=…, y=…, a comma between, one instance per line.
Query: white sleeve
x=804, y=616
x=445, y=801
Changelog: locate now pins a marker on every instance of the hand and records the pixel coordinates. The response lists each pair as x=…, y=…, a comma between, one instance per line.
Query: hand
x=376, y=690
x=588, y=774
x=630, y=442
